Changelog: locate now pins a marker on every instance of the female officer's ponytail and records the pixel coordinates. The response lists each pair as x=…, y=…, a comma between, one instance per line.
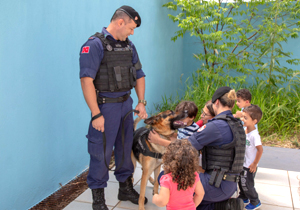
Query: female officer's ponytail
x=228, y=99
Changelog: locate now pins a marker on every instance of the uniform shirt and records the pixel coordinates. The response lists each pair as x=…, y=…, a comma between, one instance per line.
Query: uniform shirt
x=186, y=132
x=215, y=132
x=252, y=140
x=179, y=200
x=91, y=55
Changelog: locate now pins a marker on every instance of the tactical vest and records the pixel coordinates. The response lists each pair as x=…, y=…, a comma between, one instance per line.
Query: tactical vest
x=228, y=158
x=116, y=72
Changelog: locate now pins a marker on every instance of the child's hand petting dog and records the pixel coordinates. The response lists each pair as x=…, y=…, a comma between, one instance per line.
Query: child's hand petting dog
x=154, y=137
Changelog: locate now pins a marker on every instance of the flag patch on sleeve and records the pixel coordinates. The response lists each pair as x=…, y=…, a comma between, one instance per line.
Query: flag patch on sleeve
x=85, y=49
x=202, y=128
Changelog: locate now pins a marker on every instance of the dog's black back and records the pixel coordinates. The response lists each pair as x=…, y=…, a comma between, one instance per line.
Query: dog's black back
x=139, y=135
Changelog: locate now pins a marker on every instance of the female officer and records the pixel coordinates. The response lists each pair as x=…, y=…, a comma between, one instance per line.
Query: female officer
x=222, y=141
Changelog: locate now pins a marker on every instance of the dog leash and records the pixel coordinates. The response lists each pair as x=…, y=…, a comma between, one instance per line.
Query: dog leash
x=123, y=141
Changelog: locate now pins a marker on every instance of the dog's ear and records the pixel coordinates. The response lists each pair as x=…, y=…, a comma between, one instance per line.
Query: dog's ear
x=151, y=120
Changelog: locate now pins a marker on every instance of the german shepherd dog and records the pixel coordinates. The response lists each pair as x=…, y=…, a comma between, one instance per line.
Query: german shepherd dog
x=165, y=124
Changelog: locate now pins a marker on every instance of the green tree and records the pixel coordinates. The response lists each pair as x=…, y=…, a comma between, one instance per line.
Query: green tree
x=279, y=22
x=237, y=37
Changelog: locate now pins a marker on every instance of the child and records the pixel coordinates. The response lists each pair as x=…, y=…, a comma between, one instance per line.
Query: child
x=243, y=101
x=192, y=127
x=251, y=115
x=180, y=180
x=207, y=114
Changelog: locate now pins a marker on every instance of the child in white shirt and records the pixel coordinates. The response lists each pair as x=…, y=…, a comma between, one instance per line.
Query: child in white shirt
x=251, y=115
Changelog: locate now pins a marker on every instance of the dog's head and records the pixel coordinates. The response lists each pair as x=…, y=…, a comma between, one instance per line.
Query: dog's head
x=165, y=123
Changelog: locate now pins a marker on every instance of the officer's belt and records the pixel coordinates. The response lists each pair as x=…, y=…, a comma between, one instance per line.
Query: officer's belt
x=103, y=100
x=218, y=175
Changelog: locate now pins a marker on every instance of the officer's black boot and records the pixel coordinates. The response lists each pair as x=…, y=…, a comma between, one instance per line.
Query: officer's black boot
x=98, y=199
x=127, y=193
x=231, y=204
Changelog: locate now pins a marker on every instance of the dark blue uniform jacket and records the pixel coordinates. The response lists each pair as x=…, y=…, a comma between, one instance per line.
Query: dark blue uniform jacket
x=215, y=132
x=90, y=60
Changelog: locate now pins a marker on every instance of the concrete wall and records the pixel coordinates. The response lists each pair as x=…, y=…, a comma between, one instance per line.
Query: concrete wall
x=43, y=115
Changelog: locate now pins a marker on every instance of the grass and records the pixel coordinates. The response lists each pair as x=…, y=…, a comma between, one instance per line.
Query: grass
x=280, y=123
x=280, y=106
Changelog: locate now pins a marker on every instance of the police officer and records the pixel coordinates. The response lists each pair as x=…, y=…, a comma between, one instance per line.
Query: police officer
x=109, y=69
x=222, y=141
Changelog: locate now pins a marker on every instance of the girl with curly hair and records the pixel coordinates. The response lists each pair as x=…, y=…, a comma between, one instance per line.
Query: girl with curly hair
x=180, y=180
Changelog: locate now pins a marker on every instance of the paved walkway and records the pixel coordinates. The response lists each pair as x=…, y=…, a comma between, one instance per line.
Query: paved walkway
x=277, y=183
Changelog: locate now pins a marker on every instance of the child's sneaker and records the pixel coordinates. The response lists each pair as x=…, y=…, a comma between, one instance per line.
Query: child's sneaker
x=246, y=201
x=251, y=206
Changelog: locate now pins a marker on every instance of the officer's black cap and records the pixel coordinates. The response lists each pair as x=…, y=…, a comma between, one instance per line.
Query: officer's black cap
x=134, y=15
x=220, y=92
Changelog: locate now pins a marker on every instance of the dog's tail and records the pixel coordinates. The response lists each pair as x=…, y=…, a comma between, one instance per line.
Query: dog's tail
x=136, y=121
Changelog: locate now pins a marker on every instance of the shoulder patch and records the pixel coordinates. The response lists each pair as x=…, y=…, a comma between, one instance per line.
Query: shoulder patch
x=92, y=37
x=85, y=49
x=202, y=128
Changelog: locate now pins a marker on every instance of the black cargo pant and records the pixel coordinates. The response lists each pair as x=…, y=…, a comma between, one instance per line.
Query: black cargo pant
x=246, y=185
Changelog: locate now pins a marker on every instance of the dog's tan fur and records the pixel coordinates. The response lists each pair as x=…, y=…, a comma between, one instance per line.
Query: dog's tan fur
x=161, y=124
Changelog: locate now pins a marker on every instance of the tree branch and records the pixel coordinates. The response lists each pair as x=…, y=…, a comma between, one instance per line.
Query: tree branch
x=241, y=40
x=226, y=17
x=203, y=41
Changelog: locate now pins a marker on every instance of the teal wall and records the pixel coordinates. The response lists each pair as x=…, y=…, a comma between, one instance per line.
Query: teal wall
x=43, y=115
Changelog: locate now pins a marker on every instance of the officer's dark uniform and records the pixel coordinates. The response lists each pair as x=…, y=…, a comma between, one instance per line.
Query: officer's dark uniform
x=215, y=133
x=115, y=68
x=113, y=114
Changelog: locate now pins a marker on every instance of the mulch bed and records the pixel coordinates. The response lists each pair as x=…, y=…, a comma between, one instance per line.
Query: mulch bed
x=274, y=140
x=65, y=195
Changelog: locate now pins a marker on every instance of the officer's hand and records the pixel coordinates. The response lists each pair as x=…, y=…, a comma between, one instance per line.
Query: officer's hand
x=141, y=107
x=98, y=124
x=252, y=168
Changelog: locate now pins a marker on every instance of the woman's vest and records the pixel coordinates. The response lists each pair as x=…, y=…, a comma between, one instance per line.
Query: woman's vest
x=228, y=158
x=116, y=72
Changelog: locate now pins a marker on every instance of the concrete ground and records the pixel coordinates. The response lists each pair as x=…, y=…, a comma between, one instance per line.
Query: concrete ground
x=277, y=183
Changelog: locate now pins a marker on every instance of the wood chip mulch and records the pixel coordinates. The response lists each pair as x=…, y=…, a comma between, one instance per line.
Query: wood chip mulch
x=65, y=195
